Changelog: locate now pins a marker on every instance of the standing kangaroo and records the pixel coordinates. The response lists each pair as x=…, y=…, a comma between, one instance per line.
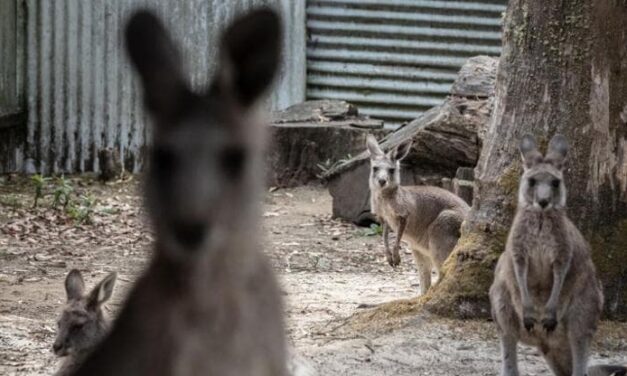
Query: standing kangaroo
x=82, y=322
x=208, y=303
x=428, y=218
x=545, y=291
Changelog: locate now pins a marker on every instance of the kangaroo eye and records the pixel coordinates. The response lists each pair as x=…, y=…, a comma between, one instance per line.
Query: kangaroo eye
x=375, y=169
x=391, y=171
x=232, y=161
x=532, y=182
x=555, y=183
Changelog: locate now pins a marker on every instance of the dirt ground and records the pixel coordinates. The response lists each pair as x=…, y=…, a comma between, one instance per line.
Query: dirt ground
x=327, y=268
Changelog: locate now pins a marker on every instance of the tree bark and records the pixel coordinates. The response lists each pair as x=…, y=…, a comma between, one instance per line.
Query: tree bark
x=563, y=69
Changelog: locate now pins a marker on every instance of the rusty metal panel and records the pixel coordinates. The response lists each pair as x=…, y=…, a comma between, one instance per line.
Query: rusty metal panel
x=81, y=93
x=395, y=59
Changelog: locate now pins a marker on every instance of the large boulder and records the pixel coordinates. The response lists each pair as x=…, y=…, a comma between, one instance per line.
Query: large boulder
x=446, y=138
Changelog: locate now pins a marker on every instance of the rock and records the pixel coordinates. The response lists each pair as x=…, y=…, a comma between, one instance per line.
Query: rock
x=445, y=139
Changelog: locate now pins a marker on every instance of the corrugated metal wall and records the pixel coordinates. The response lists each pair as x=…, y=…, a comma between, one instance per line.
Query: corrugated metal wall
x=81, y=94
x=395, y=59
x=11, y=88
x=12, y=111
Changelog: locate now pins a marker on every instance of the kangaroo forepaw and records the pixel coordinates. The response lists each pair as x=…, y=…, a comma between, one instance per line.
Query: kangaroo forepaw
x=549, y=322
x=529, y=322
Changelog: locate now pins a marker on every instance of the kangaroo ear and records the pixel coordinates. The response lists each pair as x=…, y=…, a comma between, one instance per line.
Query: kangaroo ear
x=529, y=151
x=401, y=151
x=558, y=149
x=102, y=291
x=249, y=55
x=373, y=146
x=156, y=59
x=74, y=285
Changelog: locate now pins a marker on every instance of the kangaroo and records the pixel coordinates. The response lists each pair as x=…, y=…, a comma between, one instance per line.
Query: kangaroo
x=208, y=303
x=428, y=218
x=545, y=291
x=82, y=322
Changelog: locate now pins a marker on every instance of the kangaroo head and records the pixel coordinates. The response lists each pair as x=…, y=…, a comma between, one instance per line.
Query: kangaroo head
x=542, y=183
x=385, y=168
x=82, y=322
x=204, y=158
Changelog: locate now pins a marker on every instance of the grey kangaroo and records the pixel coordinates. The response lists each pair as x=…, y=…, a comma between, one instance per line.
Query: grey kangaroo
x=82, y=322
x=545, y=291
x=208, y=303
x=428, y=218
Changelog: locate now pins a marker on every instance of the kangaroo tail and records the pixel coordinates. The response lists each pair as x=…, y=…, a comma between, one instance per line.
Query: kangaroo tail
x=607, y=370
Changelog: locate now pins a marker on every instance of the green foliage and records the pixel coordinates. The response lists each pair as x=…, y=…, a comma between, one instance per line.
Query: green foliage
x=374, y=230
x=82, y=211
x=62, y=192
x=39, y=183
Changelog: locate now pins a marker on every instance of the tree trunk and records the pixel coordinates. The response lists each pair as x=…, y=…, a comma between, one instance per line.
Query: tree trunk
x=563, y=69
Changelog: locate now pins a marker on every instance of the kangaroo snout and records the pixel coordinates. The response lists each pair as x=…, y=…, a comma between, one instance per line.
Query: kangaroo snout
x=58, y=349
x=543, y=203
x=382, y=182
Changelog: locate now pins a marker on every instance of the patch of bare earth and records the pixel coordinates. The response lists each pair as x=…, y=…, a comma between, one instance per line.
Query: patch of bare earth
x=327, y=268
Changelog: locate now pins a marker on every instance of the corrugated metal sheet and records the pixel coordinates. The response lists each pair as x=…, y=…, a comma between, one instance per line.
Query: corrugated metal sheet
x=12, y=112
x=81, y=94
x=9, y=86
x=395, y=59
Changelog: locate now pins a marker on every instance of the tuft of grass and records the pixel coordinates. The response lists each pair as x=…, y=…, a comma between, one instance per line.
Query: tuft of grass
x=62, y=192
x=375, y=229
x=40, y=183
x=82, y=212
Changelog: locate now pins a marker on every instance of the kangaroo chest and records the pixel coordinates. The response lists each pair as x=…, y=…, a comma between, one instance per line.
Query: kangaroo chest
x=542, y=248
x=391, y=212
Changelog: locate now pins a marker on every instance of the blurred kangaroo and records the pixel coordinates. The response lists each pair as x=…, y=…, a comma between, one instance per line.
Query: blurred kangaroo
x=82, y=323
x=545, y=291
x=208, y=303
x=428, y=218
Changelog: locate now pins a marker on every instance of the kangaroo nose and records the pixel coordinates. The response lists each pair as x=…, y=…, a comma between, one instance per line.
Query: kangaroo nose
x=382, y=182
x=190, y=234
x=543, y=203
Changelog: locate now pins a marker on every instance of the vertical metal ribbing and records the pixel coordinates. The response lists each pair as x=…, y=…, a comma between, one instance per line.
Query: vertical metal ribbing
x=81, y=94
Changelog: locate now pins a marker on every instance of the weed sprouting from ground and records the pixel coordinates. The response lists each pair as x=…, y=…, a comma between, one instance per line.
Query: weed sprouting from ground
x=375, y=229
x=62, y=192
x=39, y=183
x=82, y=211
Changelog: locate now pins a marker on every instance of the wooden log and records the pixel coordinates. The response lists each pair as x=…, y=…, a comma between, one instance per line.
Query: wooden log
x=310, y=138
